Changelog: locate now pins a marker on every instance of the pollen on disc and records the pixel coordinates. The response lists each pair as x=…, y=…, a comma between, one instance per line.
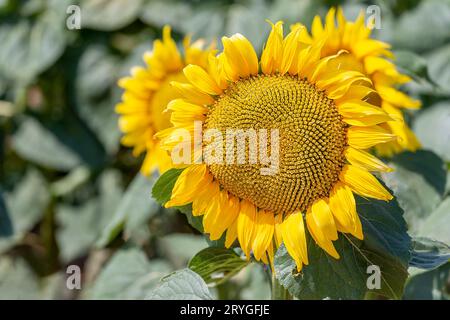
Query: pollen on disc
x=312, y=140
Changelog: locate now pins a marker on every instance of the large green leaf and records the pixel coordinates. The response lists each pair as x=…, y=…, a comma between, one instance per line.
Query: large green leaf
x=432, y=127
x=6, y=228
x=180, y=247
x=181, y=285
x=439, y=68
x=80, y=226
x=418, y=182
x=37, y=144
x=414, y=66
x=26, y=206
x=430, y=285
x=128, y=275
x=346, y=278
x=29, y=48
x=436, y=226
x=216, y=265
x=426, y=26
x=205, y=19
x=60, y=145
x=17, y=280
x=109, y=15
x=386, y=245
x=428, y=253
x=132, y=213
x=385, y=230
x=97, y=72
x=427, y=164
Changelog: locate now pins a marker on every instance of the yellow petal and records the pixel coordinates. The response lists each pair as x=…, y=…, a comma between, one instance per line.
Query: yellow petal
x=373, y=64
x=241, y=55
x=317, y=27
x=369, y=47
x=273, y=51
x=361, y=113
x=324, y=219
x=357, y=92
x=189, y=182
x=246, y=222
x=180, y=105
x=227, y=213
x=365, y=160
x=212, y=212
x=397, y=98
x=203, y=198
x=320, y=222
x=363, y=183
x=278, y=231
x=188, y=92
x=367, y=137
x=231, y=234
x=265, y=224
x=343, y=207
x=201, y=80
x=291, y=49
x=294, y=238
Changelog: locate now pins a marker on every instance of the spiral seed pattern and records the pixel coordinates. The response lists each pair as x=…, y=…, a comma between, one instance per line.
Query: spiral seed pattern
x=312, y=139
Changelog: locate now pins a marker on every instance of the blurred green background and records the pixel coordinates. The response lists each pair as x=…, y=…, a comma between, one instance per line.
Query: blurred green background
x=71, y=195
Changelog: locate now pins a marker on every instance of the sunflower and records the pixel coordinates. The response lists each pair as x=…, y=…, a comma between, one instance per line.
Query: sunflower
x=324, y=127
x=370, y=57
x=147, y=92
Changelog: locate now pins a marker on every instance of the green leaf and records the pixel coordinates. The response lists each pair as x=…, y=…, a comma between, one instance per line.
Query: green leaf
x=439, y=68
x=132, y=212
x=37, y=144
x=162, y=190
x=346, y=278
x=181, y=285
x=128, y=275
x=80, y=226
x=431, y=285
x=413, y=65
x=427, y=164
x=26, y=206
x=60, y=145
x=97, y=72
x=17, y=280
x=431, y=25
x=437, y=117
x=109, y=15
x=386, y=245
x=216, y=265
x=29, y=48
x=180, y=247
x=195, y=221
x=428, y=253
x=384, y=228
x=6, y=227
x=206, y=20
x=436, y=226
x=418, y=182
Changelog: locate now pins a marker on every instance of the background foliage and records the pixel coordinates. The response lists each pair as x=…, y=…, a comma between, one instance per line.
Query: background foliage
x=71, y=195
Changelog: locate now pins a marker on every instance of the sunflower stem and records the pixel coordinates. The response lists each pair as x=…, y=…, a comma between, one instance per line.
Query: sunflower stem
x=278, y=291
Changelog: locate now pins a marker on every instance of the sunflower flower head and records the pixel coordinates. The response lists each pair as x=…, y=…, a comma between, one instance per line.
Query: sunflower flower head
x=323, y=124
x=148, y=90
x=372, y=58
